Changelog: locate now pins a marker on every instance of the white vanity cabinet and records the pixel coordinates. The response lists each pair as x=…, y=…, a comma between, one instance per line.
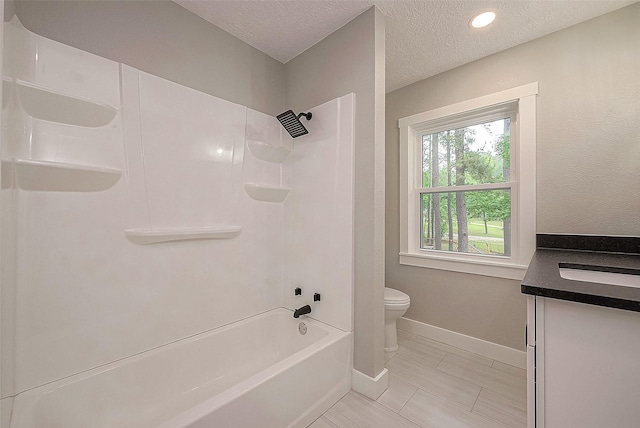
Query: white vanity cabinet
x=583, y=365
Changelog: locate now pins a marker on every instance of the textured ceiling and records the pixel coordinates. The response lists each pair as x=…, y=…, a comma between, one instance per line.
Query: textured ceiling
x=423, y=37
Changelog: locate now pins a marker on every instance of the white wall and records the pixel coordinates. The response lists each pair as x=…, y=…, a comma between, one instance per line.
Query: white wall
x=320, y=215
x=84, y=294
x=163, y=39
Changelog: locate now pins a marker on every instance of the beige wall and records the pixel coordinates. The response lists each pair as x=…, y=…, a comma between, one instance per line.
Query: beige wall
x=352, y=60
x=9, y=9
x=588, y=153
x=164, y=39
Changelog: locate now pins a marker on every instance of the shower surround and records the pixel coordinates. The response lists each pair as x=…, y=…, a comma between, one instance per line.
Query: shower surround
x=138, y=213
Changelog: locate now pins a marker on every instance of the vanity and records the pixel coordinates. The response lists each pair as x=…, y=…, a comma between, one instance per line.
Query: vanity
x=583, y=332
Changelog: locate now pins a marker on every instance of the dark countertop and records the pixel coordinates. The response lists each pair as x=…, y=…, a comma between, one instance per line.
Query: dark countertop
x=543, y=275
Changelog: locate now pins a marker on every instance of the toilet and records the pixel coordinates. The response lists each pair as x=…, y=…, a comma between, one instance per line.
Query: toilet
x=396, y=304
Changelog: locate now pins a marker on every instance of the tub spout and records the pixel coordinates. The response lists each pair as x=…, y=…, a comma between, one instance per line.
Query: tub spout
x=306, y=309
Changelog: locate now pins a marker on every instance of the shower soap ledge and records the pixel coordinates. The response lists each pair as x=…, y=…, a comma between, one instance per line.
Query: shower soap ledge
x=53, y=106
x=62, y=177
x=154, y=236
x=267, y=152
x=263, y=193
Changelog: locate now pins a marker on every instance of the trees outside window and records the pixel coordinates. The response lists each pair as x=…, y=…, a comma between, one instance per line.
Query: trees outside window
x=472, y=220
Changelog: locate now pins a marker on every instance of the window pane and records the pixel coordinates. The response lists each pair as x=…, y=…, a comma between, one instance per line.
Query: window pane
x=476, y=154
x=479, y=221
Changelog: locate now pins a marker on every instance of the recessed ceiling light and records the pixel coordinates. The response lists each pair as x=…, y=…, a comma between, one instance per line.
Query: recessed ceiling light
x=482, y=20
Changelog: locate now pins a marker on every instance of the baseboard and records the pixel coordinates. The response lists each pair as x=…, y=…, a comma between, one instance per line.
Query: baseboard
x=487, y=349
x=368, y=386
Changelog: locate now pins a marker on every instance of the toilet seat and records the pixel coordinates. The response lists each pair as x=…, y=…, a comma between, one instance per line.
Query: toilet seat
x=395, y=297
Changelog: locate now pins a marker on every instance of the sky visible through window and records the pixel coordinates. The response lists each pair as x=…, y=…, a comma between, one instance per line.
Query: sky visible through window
x=486, y=135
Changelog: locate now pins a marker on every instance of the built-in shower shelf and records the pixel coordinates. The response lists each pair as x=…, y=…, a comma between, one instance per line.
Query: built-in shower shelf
x=268, y=152
x=263, y=193
x=154, y=236
x=54, y=106
x=62, y=177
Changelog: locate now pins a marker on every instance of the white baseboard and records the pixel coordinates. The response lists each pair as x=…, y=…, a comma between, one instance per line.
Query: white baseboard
x=491, y=350
x=368, y=386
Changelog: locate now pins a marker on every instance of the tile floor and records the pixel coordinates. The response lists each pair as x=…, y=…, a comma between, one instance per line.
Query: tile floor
x=433, y=385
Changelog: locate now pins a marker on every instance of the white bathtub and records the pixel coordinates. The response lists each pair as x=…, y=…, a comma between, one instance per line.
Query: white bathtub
x=260, y=372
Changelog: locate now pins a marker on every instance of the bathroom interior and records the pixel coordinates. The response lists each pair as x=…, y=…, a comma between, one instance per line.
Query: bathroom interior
x=171, y=255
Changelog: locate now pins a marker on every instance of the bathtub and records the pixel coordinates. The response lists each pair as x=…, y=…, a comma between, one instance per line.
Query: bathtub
x=259, y=372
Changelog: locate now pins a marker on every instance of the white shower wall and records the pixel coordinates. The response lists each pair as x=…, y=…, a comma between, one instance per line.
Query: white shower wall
x=86, y=296
x=320, y=214
x=81, y=293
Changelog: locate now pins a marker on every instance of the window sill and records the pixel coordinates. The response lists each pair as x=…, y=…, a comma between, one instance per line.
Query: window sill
x=484, y=267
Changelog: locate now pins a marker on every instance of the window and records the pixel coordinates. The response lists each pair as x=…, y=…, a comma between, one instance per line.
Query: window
x=468, y=185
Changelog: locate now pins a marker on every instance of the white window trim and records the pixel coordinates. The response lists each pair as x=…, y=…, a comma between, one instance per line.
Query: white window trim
x=523, y=189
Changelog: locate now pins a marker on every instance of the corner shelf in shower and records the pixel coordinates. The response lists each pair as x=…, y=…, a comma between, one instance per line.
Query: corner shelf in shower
x=65, y=177
x=263, y=193
x=267, y=152
x=54, y=106
x=154, y=236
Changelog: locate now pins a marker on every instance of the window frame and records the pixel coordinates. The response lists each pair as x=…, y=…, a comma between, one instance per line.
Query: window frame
x=522, y=183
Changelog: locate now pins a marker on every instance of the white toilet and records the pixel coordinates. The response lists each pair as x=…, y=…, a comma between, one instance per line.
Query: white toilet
x=396, y=304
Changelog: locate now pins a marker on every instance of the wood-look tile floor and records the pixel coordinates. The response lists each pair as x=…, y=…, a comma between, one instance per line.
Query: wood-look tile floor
x=433, y=385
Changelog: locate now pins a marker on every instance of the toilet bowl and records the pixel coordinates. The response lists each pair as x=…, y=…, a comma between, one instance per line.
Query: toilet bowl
x=396, y=304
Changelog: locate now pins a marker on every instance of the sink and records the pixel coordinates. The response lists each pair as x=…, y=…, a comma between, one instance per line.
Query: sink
x=600, y=274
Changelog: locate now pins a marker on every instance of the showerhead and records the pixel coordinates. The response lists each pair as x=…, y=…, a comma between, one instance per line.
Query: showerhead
x=292, y=123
